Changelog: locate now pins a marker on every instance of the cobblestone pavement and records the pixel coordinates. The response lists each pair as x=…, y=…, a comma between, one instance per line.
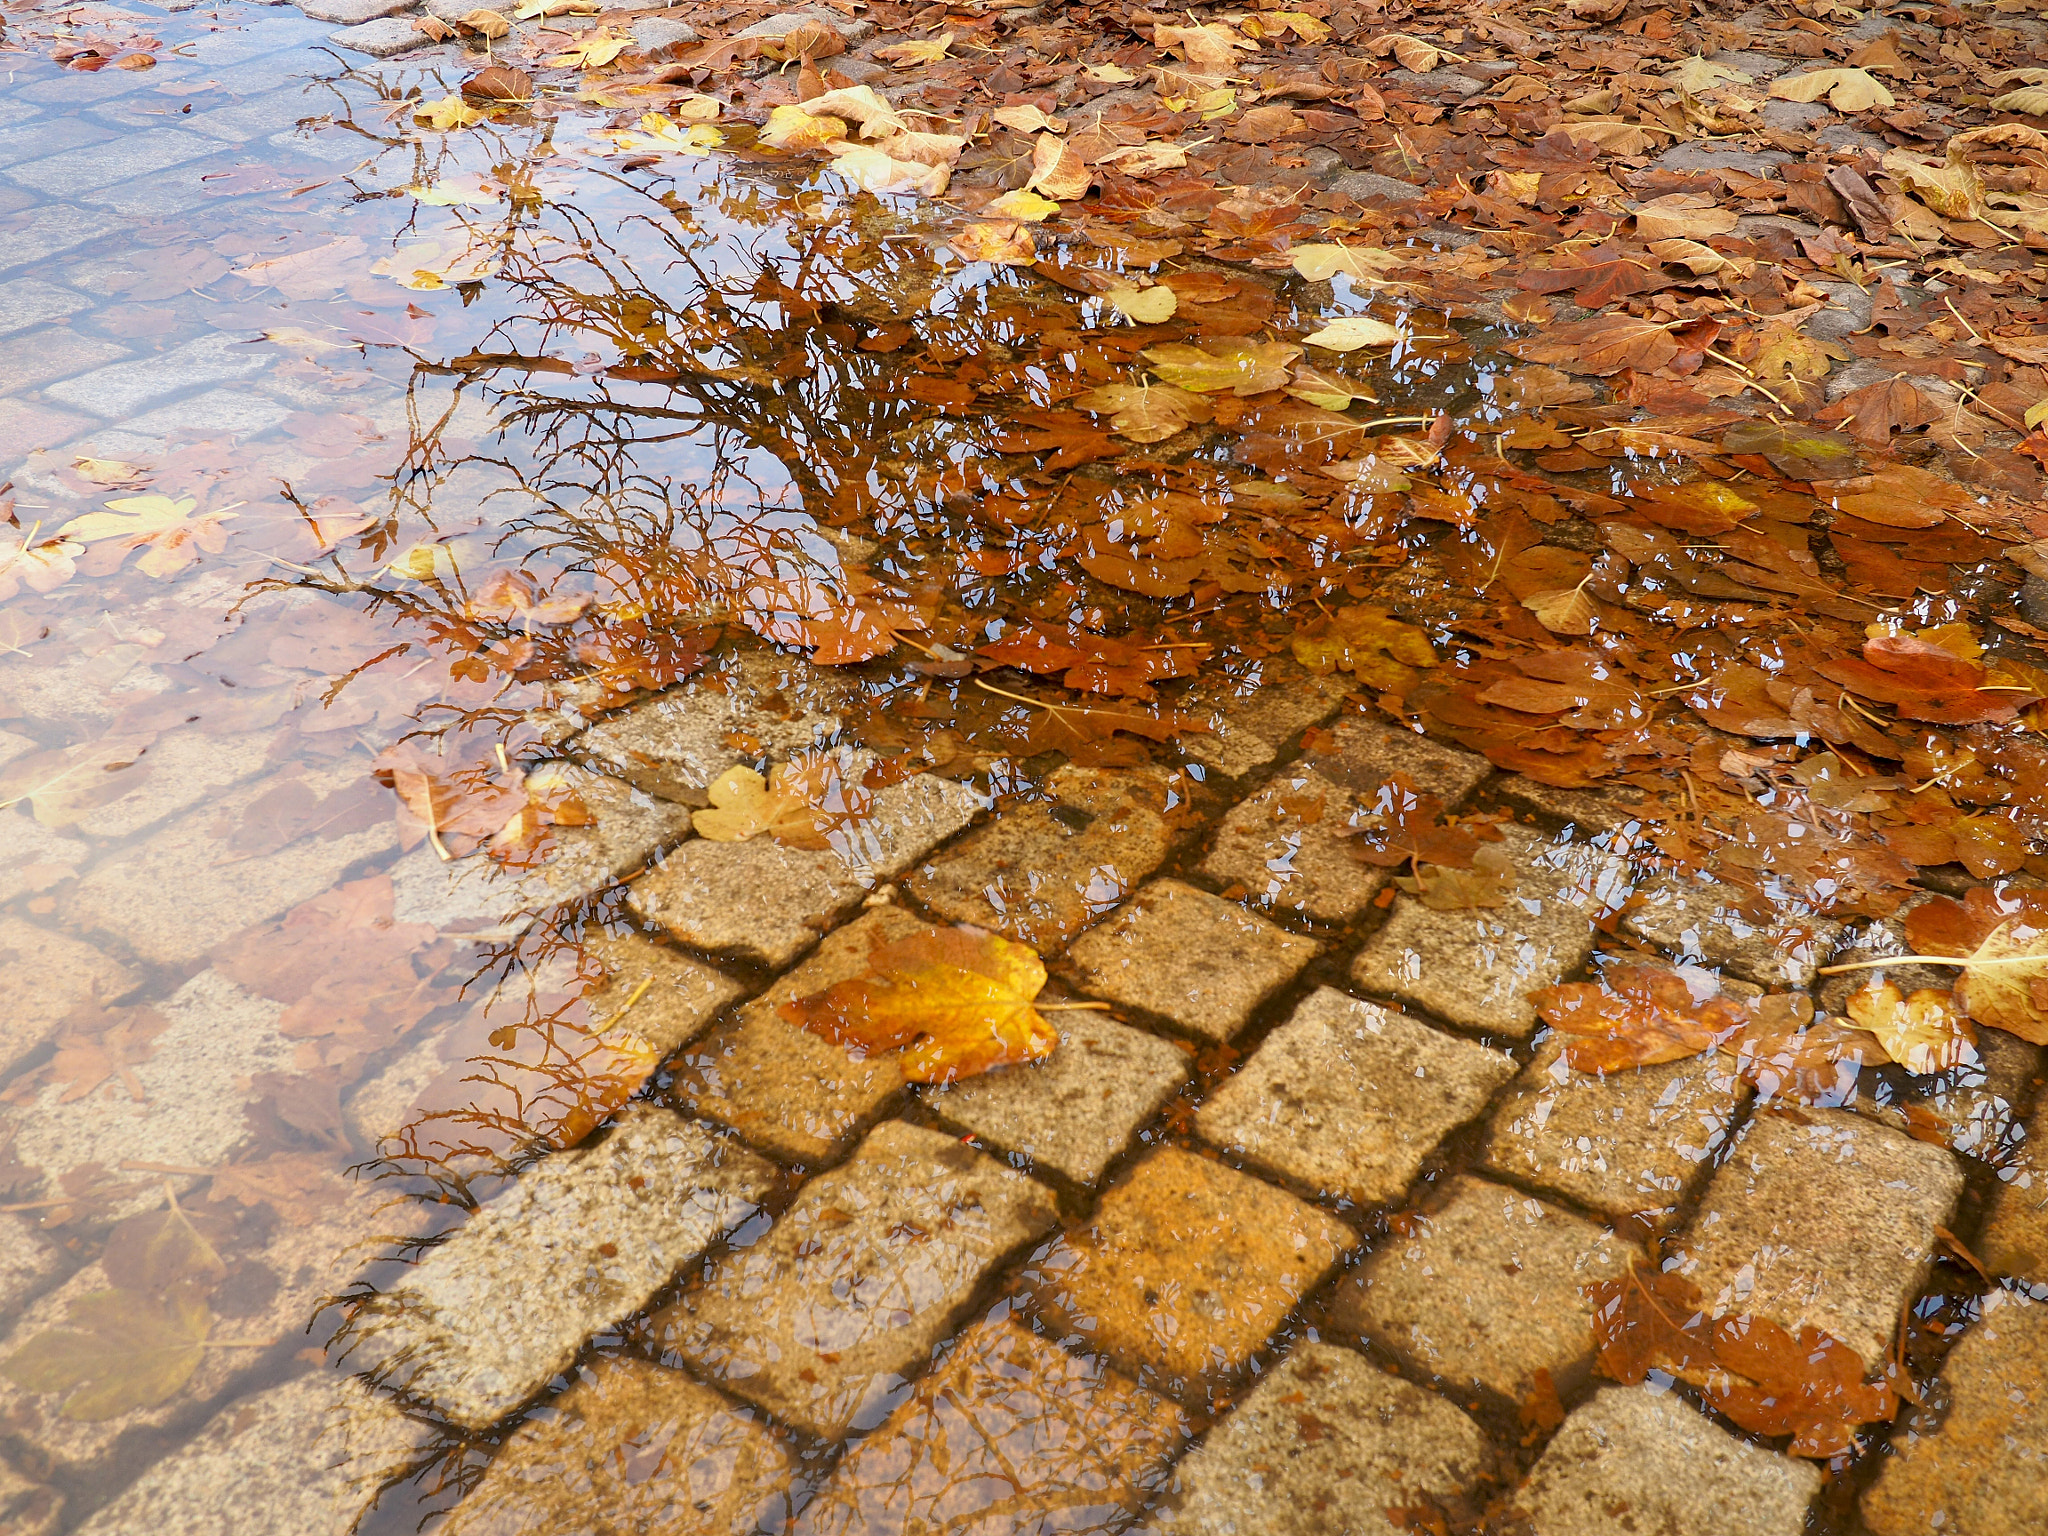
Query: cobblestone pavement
x=1287, y=1240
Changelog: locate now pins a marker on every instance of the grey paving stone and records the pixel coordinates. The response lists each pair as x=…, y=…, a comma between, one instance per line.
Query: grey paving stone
x=43, y=976
x=1362, y=752
x=852, y=28
x=1039, y=873
x=655, y=32
x=1326, y=1442
x=41, y=356
x=171, y=897
x=1200, y=962
x=1701, y=923
x=176, y=772
x=1635, y=1459
x=101, y=165
x=1364, y=184
x=28, y=1507
x=1011, y=1433
x=452, y=11
x=822, y=1320
x=1476, y=967
x=1076, y=1109
x=349, y=13
x=1253, y=710
x=752, y=705
x=382, y=38
x=124, y=389
x=1821, y=1218
x=763, y=901
x=33, y=140
x=1973, y=1459
x=632, y=1447
x=257, y=117
x=217, y=413
x=1439, y=1292
x=27, y=301
x=2013, y=1242
x=1628, y=1145
x=478, y=897
x=579, y=1241
x=306, y=1457
x=1348, y=1099
x=785, y=1089
x=37, y=234
x=1617, y=809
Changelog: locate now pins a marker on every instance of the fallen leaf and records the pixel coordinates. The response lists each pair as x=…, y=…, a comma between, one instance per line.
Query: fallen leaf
x=1057, y=171
x=1001, y=243
x=163, y=524
x=447, y=114
x=1922, y=1033
x=122, y=1352
x=1024, y=204
x=1639, y=1015
x=1350, y=332
x=2005, y=981
x=1847, y=90
x=1145, y=413
x=1144, y=306
x=799, y=805
x=1210, y=367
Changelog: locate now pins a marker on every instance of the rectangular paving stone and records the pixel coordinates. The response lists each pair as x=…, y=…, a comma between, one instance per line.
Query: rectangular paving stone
x=32, y=857
x=216, y=413
x=1628, y=1145
x=177, y=771
x=1199, y=962
x=1701, y=923
x=1254, y=708
x=1079, y=1107
x=1039, y=873
x=28, y=301
x=1289, y=847
x=1186, y=1270
x=1363, y=751
x=1438, y=1292
x=579, y=1241
x=825, y=1318
x=1820, y=1218
x=43, y=976
x=632, y=1447
x=1475, y=967
x=42, y=356
x=122, y=390
x=349, y=13
x=1974, y=1458
x=1011, y=1433
x=31, y=140
x=1621, y=808
x=785, y=1089
x=307, y=1457
x=1326, y=1442
x=764, y=902
x=381, y=38
x=35, y=234
x=1348, y=1099
x=73, y=171
x=1635, y=1459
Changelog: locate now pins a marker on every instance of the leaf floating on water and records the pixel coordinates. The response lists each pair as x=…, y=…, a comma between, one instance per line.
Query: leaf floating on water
x=164, y=524
x=1370, y=643
x=1638, y=1016
x=800, y=804
x=960, y=999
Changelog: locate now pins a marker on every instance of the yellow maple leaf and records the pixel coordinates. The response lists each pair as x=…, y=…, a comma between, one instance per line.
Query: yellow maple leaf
x=164, y=523
x=446, y=115
x=960, y=999
x=662, y=136
x=800, y=804
x=598, y=49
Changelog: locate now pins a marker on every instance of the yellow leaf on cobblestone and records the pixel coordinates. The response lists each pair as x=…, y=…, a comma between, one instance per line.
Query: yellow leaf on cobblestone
x=1372, y=645
x=598, y=49
x=1347, y=333
x=960, y=999
x=1144, y=306
x=164, y=523
x=1057, y=171
x=660, y=135
x=2005, y=981
x=910, y=55
x=447, y=114
x=1000, y=242
x=1023, y=204
x=1847, y=90
x=875, y=170
x=1242, y=367
x=799, y=804
x=1922, y=1033
x=791, y=127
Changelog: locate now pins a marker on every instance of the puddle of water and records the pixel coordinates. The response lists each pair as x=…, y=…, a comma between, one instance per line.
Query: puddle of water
x=376, y=463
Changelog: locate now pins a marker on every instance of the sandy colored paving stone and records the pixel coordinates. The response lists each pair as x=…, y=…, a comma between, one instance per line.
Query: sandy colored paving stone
x=480, y=898
x=1362, y=753
x=32, y=857
x=43, y=976
x=823, y=1320
x=1254, y=707
x=193, y=1085
x=1186, y=1270
x=745, y=708
x=786, y=1090
x=1699, y=922
x=765, y=902
x=1011, y=1433
x=1590, y=810
x=29, y=1263
x=1195, y=960
x=1475, y=967
x=2013, y=1242
x=182, y=769
x=1347, y=1098
x=27, y=1507
x=1439, y=1291
x=1076, y=1109
x=1326, y=1442
x=1628, y=1145
x=306, y=1458
x=579, y=1241
x=1290, y=845
x=1973, y=1460
x=174, y=896
x=1039, y=873
x=1634, y=1459
x=632, y=1449
x=1823, y=1218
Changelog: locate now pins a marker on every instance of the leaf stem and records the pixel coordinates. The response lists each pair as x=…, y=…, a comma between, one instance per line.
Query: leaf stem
x=1963, y=960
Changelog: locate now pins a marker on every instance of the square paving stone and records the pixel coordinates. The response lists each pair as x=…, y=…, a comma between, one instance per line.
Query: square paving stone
x=579, y=1241
x=136, y=154
x=306, y=1458
x=1253, y=709
x=823, y=1320
x=1633, y=1459
x=632, y=1449
x=787, y=1090
x=120, y=392
x=1347, y=1098
x=1362, y=752
x=1011, y=1433
x=1193, y=959
x=381, y=38
x=1076, y=1109
x=1290, y=847
x=1701, y=923
x=2013, y=1242
x=767, y=903
x=1326, y=1443
x=1476, y=967
x=1441, y=1293
x=43, y=976
x=1973, y=1461
x=1039, y=873
x=1629, y=1144
x=32, y=857
x=1187, y=1269
x=43, y=356
x=1823, y=1218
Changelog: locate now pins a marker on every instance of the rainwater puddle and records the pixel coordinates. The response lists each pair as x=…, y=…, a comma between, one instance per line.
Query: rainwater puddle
x=514, y=645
